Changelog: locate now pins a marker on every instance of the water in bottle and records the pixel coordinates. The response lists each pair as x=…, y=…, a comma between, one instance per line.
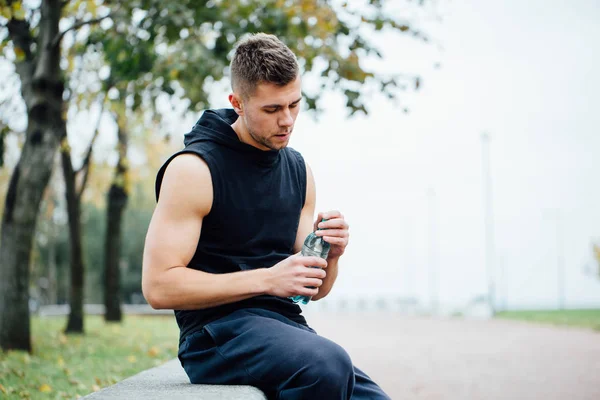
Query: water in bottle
x=313, y=246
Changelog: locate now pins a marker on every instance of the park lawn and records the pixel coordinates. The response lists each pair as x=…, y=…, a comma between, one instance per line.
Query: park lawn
x=578, y=318
x=67, y=366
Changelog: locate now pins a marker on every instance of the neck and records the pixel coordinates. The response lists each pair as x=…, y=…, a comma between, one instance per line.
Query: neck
x=244, y=136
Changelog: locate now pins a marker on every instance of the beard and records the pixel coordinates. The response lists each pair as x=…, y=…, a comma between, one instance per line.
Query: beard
x=269, y=141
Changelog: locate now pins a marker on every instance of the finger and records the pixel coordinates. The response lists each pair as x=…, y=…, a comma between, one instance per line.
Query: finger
x=336, y=240
x=332, y=214
x=343, y=233
x=336, y=223
x=313, y=282
x=313, y=261
x=318, y=220
x=306, y=291
x=316, y=273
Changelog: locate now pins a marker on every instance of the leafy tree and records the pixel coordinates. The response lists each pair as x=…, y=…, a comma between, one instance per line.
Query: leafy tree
x=37, y=61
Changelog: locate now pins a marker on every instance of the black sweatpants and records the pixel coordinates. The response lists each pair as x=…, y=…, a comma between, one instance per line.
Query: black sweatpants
x=284, y=359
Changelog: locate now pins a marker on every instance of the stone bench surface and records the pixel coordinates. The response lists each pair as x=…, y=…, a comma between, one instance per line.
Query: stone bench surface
x=169, y=381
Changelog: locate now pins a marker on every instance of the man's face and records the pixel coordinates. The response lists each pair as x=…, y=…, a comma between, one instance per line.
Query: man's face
x=270, y=112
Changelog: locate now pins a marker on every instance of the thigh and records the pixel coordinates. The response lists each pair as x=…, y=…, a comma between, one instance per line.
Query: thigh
x=268, y=345
x=262, y=349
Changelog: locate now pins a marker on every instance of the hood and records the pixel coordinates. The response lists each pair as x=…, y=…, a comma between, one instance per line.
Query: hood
x=215, y=126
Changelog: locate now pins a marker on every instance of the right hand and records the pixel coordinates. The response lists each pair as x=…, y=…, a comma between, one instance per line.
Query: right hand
x=294, y=276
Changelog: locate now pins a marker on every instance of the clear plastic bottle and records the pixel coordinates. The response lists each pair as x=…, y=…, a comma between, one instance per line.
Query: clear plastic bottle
x=313, y=246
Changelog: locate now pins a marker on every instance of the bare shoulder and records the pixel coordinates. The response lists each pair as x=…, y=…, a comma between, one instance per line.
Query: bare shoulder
x=187, y=183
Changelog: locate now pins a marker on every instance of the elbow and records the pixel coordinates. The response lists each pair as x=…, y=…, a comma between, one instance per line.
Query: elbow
x=154, y=296
x=156, y=302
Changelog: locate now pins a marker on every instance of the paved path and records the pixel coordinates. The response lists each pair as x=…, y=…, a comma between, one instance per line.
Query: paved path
x=417, y=358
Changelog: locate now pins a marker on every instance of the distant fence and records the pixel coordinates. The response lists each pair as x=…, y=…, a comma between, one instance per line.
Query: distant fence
x=400, y=305
x=55, y=310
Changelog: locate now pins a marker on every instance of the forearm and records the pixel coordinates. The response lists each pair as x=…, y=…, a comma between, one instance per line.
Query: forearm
x=332, y=272
x=182, y=288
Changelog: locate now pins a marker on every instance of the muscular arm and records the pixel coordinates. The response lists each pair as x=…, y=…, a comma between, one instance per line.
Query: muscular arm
x=306, y=226
x=172, y=239
x=185, y=199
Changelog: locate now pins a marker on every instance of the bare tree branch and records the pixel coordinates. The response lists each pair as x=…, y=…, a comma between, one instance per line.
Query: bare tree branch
x=85, y=167
x=78, y=25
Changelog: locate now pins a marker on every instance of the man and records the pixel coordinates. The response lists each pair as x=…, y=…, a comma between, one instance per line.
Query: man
x=222, y=249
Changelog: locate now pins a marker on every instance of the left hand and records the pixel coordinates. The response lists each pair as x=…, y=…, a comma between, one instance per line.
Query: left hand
x=334, y=231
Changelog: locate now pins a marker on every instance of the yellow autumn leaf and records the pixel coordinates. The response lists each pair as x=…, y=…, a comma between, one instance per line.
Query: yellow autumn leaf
x=60, y=362
x=18, y=373
x=19, y=54
x=98, y=381
x=153, y=351
x=71, y=61
x=122, y=56
x=6, y=12
x=45, y=388
x=17, y=11
x=597, y=252
x=131, y=359
x=3, y=389
x=92, y=7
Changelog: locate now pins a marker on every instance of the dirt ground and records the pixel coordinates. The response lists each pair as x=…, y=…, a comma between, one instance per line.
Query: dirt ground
x=422, y=358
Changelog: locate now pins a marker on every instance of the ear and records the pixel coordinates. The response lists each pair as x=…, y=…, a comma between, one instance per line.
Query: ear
x=236, y=103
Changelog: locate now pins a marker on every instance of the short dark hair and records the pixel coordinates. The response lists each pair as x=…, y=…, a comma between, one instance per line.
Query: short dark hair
x=261, y=58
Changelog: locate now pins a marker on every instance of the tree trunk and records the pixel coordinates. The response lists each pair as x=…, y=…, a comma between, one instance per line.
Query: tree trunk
x=75, y=321
x=52, y=279
x=52, y=294
x=117, y=200
x=42, y=90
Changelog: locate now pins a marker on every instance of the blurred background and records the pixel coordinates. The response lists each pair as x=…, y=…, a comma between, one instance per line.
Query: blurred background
x=459, y=139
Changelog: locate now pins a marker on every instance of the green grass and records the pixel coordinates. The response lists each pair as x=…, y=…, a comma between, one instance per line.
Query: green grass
x=67, y=366
x=577, y=318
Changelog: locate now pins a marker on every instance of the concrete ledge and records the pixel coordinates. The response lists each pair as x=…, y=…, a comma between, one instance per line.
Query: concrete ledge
x=169, y=381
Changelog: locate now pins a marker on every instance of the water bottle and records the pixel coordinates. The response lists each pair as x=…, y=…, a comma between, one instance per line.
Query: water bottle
x=313, y=246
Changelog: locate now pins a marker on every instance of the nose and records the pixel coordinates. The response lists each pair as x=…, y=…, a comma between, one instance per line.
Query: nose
x=286, y=118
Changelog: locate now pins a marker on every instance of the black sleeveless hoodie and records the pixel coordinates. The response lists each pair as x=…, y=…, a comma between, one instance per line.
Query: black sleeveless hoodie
x=257, y=199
